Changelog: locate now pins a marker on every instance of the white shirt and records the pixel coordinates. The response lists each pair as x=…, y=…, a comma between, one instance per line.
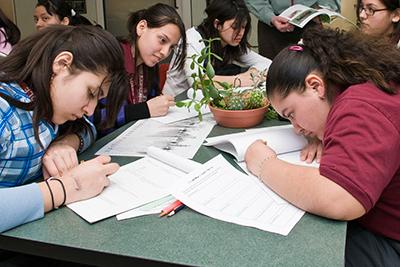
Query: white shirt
x=176, y=81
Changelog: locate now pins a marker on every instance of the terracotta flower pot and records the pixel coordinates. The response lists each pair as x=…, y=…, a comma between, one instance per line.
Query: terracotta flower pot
x=238, y=118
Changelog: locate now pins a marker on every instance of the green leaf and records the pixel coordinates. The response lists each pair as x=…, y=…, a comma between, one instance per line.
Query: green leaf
x=224, y=93
x=210, y=70
x=180, y=104
x=217, y=57
x=224, y=85
x=201, y=58
x=199, y=73
x=213, y=91
x=192, y=65
x=204, y=91
x=200, y=116
x=197, y=107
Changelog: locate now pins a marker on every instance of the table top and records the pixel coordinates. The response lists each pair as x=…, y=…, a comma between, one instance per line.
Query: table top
x=188, y=238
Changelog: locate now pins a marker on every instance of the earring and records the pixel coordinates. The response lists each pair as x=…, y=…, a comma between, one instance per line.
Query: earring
x=51, y=78
x=321, y=96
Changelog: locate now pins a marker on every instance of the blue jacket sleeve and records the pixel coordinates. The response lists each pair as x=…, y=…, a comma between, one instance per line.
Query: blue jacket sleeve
x=19, y=205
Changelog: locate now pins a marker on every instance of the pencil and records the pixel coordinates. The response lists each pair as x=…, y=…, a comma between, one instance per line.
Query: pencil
x=170, y=208
x=181, y=206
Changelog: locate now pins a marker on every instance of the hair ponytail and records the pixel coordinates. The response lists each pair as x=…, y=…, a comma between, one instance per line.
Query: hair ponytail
x=341, y=58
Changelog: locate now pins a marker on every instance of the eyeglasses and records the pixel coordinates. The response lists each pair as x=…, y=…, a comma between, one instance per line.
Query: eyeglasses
x=368, y=11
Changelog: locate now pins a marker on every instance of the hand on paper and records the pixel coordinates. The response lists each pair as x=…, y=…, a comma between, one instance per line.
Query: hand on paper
x=282, y=24
x=60, y=157
x=158, y=106
x=312, y=150
x=88, y=179
x=255, y=154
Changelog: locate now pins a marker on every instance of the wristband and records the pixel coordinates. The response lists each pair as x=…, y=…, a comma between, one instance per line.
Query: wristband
x=63, y=188
x=51, y=194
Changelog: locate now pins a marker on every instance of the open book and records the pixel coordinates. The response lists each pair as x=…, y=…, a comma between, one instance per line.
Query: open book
x=299, y=15
x=282, y=139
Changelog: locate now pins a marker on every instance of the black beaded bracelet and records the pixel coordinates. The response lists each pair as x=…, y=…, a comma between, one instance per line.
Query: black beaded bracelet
x=81, y=143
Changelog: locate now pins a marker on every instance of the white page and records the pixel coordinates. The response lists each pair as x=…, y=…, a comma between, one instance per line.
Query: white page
x=185, y=166
x=176, y=114
x=133, y=185
x=137, y=212
x=292, y=157
x=220, y=191
x=282, y=139
x=182, y=138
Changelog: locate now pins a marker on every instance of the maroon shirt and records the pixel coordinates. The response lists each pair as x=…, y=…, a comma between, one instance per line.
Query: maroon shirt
x=362, y=154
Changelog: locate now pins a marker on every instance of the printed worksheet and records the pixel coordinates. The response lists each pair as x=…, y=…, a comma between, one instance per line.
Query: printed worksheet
x=135, y=184
x=183, y=137
x=219, y=190
x=176, y=114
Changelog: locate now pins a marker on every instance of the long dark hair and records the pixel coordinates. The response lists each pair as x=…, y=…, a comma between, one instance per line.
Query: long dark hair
x=94, y=50
x=224, y=10
x=156, y=16
x=391, y=6
x=11, y=32
x=341, y=58
x=62, y=9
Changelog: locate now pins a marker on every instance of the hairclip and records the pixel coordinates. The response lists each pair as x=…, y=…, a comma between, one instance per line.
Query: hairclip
x=296, y=48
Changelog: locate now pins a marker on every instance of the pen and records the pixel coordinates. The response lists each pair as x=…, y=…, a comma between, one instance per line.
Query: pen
x=170, y=208
x=181, y=206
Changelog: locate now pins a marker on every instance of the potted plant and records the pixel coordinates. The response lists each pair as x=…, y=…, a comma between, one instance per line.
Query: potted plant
x=230, y=107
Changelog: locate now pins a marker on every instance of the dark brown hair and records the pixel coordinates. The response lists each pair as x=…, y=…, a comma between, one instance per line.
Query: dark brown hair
x=94, y=50
x=157, y=16
x=224, y=10
x=62, y=9
x=341, y=58
x=11, y=32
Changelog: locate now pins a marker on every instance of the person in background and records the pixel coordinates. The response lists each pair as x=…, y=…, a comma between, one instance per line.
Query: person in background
x=153, y=34
x=48, y=84
x=380, y=17
x=229, y=20
x=376, y=18
x=342, y=88
x=54, y=12
x=274, y=32
x=9, y=34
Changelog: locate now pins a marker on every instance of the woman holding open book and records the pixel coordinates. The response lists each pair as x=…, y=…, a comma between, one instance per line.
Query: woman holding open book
x=343, y=89
x=274, y=32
